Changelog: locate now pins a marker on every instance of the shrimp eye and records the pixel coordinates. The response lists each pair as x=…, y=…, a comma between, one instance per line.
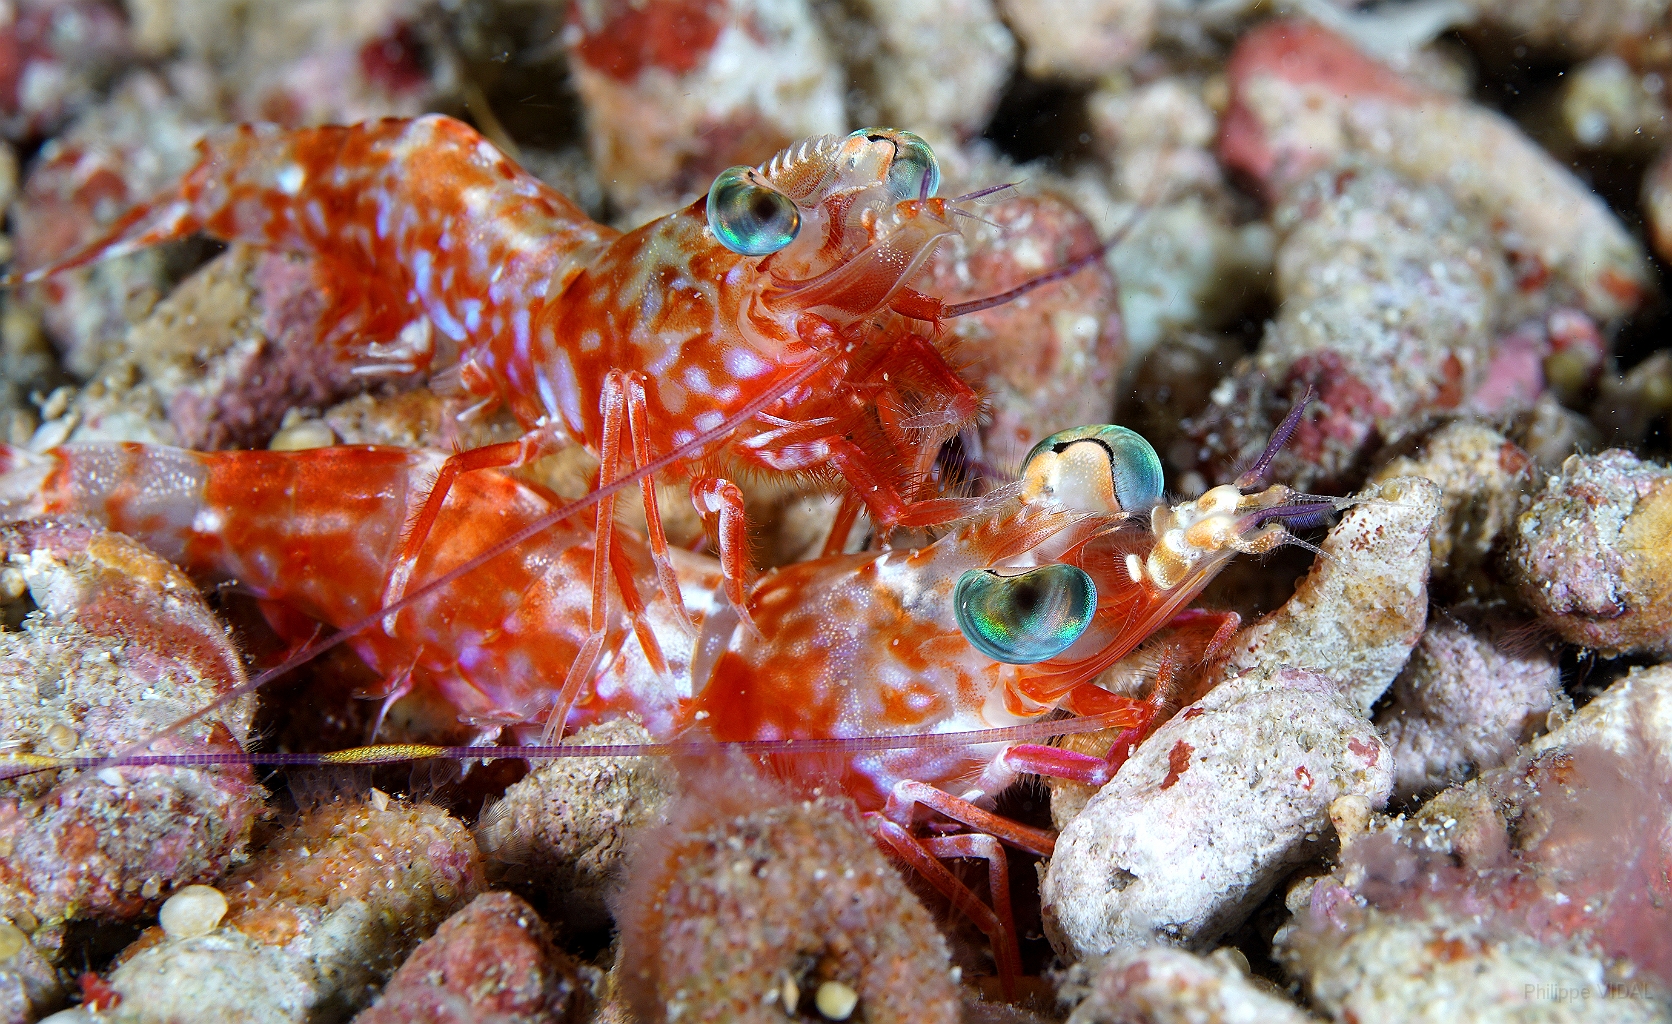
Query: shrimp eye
x=1134, y=468
x=1025, y=618
x=748, y=217
x=913, y=174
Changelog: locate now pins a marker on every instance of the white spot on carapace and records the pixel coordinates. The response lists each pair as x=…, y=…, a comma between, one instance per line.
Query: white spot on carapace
x=290, y=179
x=1134, y=567
x=567, y=385
x=208, y=521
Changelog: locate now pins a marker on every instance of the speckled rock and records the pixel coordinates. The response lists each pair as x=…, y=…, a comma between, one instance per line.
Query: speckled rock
x=935, y=67
x=308, y=63
x=744, y=888
x=1081, y=38
x=220, y=361
x=1657, y=203
x=120, y=647
x=1592, y=556
x=1630, y=405
x=491, y=963
x=559, y=836
x=29, y=984
x=1444, y=970
x=1186, y=266
x=1549, y=432
x=317, y=921
x=1358, y=613
x=59, y=54
x=1573, y=28
x=116, y=154
x=1608, y=105
x=1303, y=97
x=1484, y=480
x=1158, y=137
x=1208, y=814
x=1159, y=985
x=676, y=91
x=1390, y=297
x=1633, y=711
x=1475, y=689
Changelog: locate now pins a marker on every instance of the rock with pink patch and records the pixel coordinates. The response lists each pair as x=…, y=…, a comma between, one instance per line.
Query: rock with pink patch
x=116, y=154
x=1303, y=98
x=493, y=960
x=55, y=56
x=1209, y=813
x=119, y=645
x=677, y=90
x=1390, y=297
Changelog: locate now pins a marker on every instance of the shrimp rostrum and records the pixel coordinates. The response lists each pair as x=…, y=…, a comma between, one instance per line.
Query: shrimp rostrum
x=774, y=315
x=1004, y=619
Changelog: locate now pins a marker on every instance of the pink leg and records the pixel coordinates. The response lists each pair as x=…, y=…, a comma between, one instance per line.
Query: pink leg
x=535, y=444
x=401, y=686
x=623, y=570
x=847, y=513
x=614, y=406
x=721, y=505
x=638, y=425
x=998, y=926
x=908, y=794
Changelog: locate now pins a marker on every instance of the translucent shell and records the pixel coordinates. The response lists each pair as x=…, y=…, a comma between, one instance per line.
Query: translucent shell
x=1027, y=617
x=748, y=217
x=1061, y=463
x=914, y=172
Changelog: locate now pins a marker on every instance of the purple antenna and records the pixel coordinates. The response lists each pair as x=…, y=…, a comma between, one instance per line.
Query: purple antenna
x=1256, y=473
x=970, y=197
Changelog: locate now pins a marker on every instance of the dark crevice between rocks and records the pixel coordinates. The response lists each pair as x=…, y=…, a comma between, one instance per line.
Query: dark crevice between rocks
x=1042, y=120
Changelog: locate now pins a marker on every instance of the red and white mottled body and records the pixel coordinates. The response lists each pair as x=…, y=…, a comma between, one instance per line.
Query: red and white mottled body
x=317, y=532
x=842, y=646
x=633, y=345
x=449, y=245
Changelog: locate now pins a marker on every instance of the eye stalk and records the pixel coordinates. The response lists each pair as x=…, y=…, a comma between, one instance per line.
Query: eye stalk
x=1025, y=618
x=749, y=217
x=1097, y=468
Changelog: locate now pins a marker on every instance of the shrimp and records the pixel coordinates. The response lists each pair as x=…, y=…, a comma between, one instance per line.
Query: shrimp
x=779, y=304
x=1005, y=618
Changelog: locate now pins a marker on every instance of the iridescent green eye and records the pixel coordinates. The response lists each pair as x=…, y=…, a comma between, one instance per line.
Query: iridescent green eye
x=748, y=217
x=1134, y=467
x=1025, y=618
x=913, y=174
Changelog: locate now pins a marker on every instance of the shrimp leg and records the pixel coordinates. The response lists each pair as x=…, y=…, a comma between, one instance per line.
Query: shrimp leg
x=996, y=922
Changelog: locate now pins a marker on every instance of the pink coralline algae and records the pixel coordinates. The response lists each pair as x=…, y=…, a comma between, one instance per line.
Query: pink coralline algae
x=494, y=962
x=119, y=643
